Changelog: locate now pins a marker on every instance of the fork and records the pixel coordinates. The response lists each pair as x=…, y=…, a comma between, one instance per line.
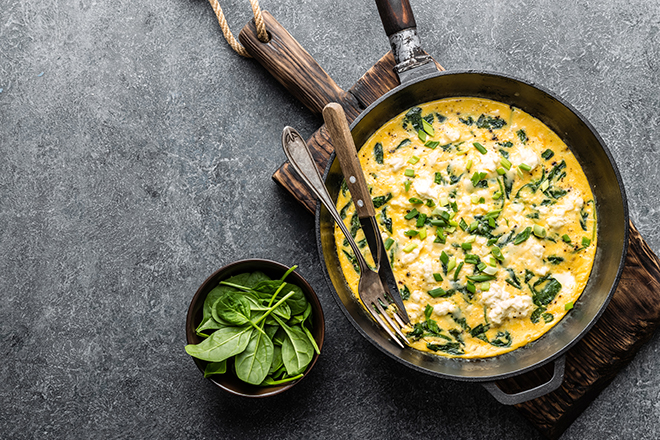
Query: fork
x=371, y=291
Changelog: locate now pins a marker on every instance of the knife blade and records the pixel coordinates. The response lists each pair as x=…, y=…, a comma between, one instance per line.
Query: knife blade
x=342, y=141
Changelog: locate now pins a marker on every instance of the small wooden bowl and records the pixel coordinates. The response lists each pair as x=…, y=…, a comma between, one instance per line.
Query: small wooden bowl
x=228, y=381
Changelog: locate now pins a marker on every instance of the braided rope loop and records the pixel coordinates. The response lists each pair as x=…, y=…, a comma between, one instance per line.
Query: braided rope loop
x=262, y=33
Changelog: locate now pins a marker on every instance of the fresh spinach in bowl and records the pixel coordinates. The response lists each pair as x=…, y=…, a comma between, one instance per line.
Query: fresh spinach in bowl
x=261, y=326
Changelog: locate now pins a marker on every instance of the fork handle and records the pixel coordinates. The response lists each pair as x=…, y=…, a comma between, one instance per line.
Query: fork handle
x=302, y=161
x=342, y=141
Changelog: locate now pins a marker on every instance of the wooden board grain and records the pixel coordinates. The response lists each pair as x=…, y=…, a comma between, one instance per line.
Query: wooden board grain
x=628, y=322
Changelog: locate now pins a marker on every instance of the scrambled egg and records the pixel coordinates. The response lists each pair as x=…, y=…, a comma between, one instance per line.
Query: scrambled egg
x=488, y=219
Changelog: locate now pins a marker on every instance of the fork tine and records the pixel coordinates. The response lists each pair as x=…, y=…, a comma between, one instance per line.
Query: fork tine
x=384, y=326
x=392, y=324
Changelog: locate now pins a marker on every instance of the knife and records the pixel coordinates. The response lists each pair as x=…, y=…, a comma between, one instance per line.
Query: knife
x=342, y=141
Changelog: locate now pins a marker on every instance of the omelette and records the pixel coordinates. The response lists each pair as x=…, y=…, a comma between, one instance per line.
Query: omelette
x=488, y=220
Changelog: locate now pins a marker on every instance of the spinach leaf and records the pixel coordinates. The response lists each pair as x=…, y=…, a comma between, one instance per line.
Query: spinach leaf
x=381, y=200
x=297, y=302
x=352, y=259
x=253, y=364
x=555, y=260
x=502, y=339
x=403, y=143
x=513, y=279
x=405, y=292
x=413, y=119
x=550, y=289
x=536, y=314
x=232, y=308
x=378, y=153
x=386, y=221
x=297, y=351
x=490, y=122
x=522, y=136
x=277, y=359
x=449, y=348
x=342, y=213
x=523, y=236
x=222, y=344
x=215, y=368
x=208, y=323
x=467, y=121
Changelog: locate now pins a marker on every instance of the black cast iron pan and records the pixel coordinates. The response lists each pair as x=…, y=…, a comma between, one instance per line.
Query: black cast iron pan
x=422, y=82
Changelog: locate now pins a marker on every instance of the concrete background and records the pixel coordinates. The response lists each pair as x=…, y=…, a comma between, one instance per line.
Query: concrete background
x=136, y=151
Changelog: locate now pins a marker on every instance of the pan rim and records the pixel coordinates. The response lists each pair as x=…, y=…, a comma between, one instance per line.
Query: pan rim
x=586, y=328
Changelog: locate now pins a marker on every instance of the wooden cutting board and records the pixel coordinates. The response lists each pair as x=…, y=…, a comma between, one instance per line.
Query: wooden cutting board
x=628, y=322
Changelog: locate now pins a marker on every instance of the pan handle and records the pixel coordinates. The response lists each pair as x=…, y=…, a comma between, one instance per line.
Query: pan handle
x=401, y=28
x=523, y=396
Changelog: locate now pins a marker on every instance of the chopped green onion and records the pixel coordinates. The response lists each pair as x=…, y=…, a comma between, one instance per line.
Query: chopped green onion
x=466, y=246
x=428, y=127
x=480, y=148
x=416, y=201
x=388, y=243
x=545, y=185
x=569, y=305
x=566, y=238
x=525, y=167
x=421, y=220
x=440, y=237
x=413, y=160
x=462, y=224
x=489, y=270
x=485, y=286
x=497, y=253
x=412, y=214
x=475, y=199
x=497, y=195
x=501, y=171
x=474, y=225
x=430, y=203
x=406, y=185
x=491, y=261
x=458, y=270
x=480, y=278
x=421, y=134
x=422, y=234
x=520, y=172
x=481, y=265
x=469, y=165
x=451, y=264
x=471, y=287
x=438, y=291
x=444, y=201
x=432, y=144
x=539, y=231
x=547, y=154
x=437, y=277
x=505, y=163
x=409, y=248
x=409, y=172
x=586, y=241
x=470, y=239
x=444, y=257
x=411, y=233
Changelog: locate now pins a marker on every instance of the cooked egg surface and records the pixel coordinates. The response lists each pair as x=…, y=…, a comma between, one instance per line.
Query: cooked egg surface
x=488, y=219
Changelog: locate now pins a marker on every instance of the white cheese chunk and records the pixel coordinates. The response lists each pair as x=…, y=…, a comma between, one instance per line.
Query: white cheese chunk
x=566, y=280
x=501, y=305
x=426, y=188
x=445, y=307
x=526, y=156
x=396, y=162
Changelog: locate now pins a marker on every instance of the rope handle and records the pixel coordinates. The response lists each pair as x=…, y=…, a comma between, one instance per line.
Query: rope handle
x=262, y=33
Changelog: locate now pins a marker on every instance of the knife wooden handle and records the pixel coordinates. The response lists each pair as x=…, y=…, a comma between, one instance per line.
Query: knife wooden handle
x=342, y=141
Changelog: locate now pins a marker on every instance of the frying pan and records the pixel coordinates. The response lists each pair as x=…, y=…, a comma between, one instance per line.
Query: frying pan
x=421, y=82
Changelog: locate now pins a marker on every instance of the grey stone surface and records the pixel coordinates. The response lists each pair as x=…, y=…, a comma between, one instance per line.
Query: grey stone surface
x=136, y=151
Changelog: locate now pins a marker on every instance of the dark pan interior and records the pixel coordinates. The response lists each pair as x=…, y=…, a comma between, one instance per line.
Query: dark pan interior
x=606, y=185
